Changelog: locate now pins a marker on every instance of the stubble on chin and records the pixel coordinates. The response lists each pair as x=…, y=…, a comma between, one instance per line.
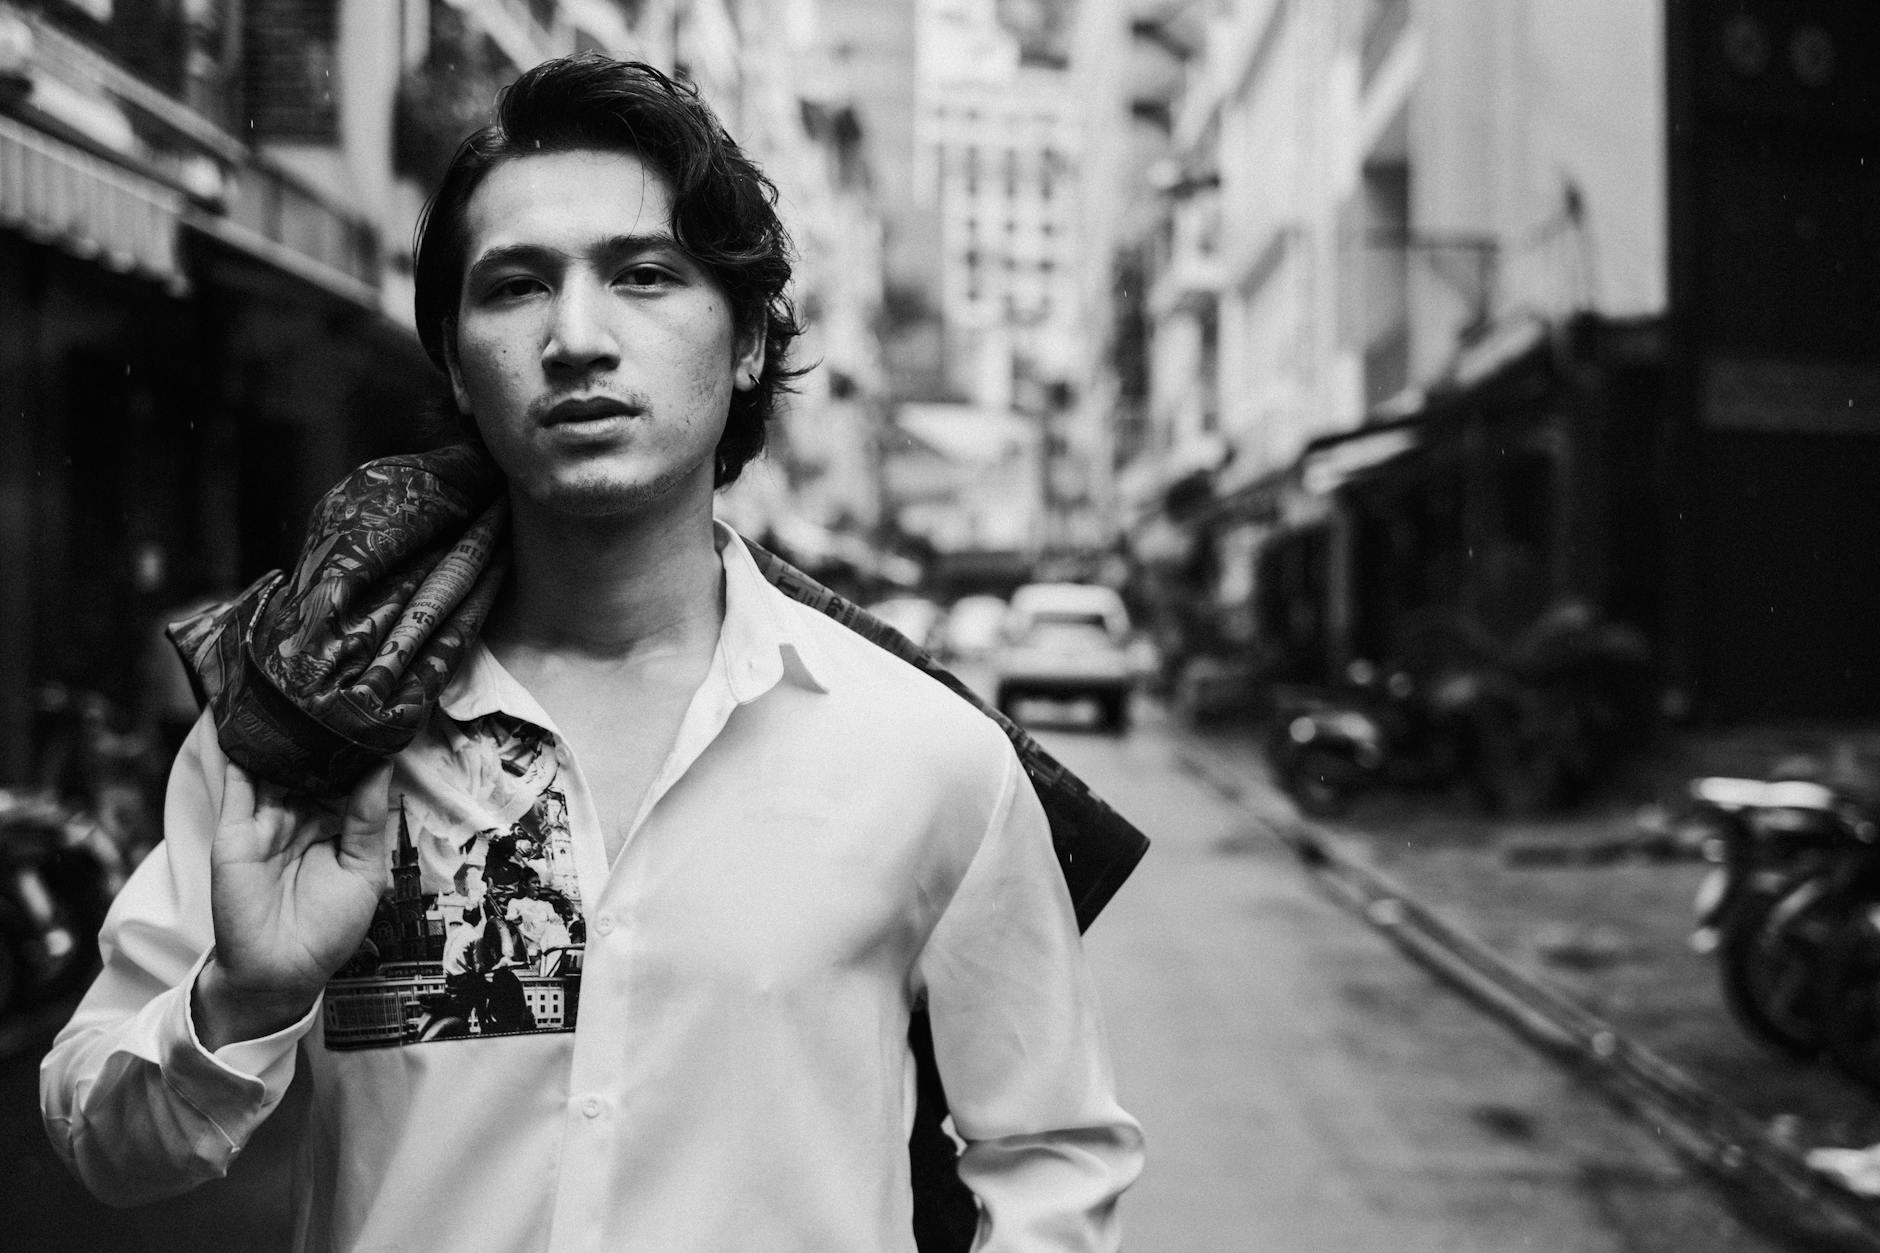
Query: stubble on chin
x=592, y=493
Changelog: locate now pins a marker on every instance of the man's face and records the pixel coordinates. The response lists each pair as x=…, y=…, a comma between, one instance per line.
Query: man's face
x=596, y=356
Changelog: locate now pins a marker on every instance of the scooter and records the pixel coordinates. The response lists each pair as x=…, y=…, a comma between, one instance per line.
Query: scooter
x=1788, y=857
x=1847, y=988
x=1458, y=728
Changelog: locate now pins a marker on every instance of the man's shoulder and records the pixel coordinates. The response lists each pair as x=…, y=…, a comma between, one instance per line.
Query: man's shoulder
x=891, y=692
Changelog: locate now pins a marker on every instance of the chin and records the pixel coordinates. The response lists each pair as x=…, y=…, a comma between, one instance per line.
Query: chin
x=601, y=495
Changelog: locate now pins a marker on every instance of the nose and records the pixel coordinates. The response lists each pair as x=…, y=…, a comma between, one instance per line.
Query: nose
x=580, y=337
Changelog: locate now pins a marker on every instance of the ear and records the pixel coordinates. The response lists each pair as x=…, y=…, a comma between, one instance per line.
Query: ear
x=749, y=365
x=458, y=391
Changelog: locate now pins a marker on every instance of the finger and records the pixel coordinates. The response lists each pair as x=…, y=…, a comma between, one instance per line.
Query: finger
x=363, y=837
x=238, y=794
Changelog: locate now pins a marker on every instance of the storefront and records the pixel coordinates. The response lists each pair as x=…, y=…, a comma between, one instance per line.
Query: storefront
x=1528, y=486
x=175, y=389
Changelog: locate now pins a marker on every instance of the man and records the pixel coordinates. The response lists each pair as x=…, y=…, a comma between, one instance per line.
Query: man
x=783, y=840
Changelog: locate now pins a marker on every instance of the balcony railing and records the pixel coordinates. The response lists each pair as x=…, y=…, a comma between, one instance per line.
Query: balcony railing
x=271, y=205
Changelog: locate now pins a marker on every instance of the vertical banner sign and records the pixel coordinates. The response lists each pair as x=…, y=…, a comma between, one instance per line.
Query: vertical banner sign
x=1774, y=145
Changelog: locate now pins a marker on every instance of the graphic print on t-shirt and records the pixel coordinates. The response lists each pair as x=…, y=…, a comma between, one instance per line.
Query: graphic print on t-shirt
x=481, y=933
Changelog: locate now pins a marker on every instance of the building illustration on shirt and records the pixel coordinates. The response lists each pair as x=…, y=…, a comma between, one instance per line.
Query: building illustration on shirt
x=493, y=949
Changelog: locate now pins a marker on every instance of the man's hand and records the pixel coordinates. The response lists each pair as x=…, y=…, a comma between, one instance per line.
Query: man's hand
x=292, y=889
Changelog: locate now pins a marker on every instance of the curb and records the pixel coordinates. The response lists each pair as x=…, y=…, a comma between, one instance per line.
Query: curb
x=1716, y=1137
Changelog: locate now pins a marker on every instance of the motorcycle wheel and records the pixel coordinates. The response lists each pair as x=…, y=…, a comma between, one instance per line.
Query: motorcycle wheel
x=1770, y=960
x=1849, y=992
x=1322, y=782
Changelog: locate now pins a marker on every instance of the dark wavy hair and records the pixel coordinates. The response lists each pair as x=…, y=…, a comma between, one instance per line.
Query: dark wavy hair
x=723, y=209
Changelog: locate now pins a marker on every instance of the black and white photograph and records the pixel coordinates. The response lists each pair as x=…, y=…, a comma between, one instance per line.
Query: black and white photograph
x=940, y=626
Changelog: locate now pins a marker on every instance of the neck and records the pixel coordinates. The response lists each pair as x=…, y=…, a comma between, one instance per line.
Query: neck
x=608, y=588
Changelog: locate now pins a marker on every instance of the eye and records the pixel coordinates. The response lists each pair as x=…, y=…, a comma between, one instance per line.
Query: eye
x=512, y=287
x=646, y=275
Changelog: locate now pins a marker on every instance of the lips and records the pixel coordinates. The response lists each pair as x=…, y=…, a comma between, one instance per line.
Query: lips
x=591, y=409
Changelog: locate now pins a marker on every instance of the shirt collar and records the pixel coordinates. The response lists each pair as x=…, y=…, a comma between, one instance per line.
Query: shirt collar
x=761, y=643
x=764, y=640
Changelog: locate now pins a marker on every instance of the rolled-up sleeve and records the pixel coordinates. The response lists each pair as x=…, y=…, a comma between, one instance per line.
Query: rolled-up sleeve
x=133, y=1101
x=1021, y=1046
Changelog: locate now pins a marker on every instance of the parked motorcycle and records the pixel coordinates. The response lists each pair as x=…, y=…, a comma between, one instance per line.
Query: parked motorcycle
x=1593, y=679
x=59, y=872
x=90, y=760
x=1796, y=865
x=1848, y=989
x=1522, y=726
x=1466, y=728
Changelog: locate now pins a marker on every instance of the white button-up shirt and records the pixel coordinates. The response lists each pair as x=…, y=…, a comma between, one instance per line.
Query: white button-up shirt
x=699, y=1047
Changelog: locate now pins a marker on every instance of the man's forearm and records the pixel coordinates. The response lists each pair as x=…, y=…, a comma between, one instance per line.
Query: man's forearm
x=135, y=1100
x=140, y=1109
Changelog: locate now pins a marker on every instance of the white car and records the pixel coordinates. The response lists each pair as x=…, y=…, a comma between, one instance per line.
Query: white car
x=971, y=628
x=913, y=616
x=1066, y=641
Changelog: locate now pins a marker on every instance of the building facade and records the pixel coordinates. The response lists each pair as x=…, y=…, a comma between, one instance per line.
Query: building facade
x=999, y=138
x=1373, y=207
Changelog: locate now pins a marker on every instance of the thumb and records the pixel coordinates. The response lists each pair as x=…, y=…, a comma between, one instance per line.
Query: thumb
x=364, y=840
x=239, y=801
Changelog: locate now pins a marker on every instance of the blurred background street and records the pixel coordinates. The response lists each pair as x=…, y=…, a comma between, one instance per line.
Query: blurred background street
x=1411, y=440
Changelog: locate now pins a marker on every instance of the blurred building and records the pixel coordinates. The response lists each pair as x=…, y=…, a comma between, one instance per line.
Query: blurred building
x=1128, y=64
x=1774, y=374
x=868, y=55
x=1474, y=311
x=999, y=136
x=818, y=494
x=1376, y=213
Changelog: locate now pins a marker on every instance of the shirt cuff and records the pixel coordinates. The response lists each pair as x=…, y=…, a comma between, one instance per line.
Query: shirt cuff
x=268, y=1060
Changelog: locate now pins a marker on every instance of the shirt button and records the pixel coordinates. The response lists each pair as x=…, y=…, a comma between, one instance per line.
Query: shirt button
x=591, y=1107
x=604, y=924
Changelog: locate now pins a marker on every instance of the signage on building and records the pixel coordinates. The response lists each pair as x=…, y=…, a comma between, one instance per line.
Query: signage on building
x=1788, y=394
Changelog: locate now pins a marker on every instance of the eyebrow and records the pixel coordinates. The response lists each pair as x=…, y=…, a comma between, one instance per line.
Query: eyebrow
x=537, y=254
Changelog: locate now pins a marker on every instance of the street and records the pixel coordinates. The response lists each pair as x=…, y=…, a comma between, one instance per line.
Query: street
x=1305, y=1088
x=1302, y=1086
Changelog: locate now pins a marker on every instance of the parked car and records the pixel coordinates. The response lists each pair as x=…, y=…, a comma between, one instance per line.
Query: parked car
x=970, y=630
x=913, y=616
x=1066, y=641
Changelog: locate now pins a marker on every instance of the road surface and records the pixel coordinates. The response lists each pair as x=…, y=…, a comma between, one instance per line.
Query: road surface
x=1305, y=1089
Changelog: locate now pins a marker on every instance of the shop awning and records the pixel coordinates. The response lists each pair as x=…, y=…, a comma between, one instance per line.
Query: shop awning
x=1330, y=463
x=90, y=207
